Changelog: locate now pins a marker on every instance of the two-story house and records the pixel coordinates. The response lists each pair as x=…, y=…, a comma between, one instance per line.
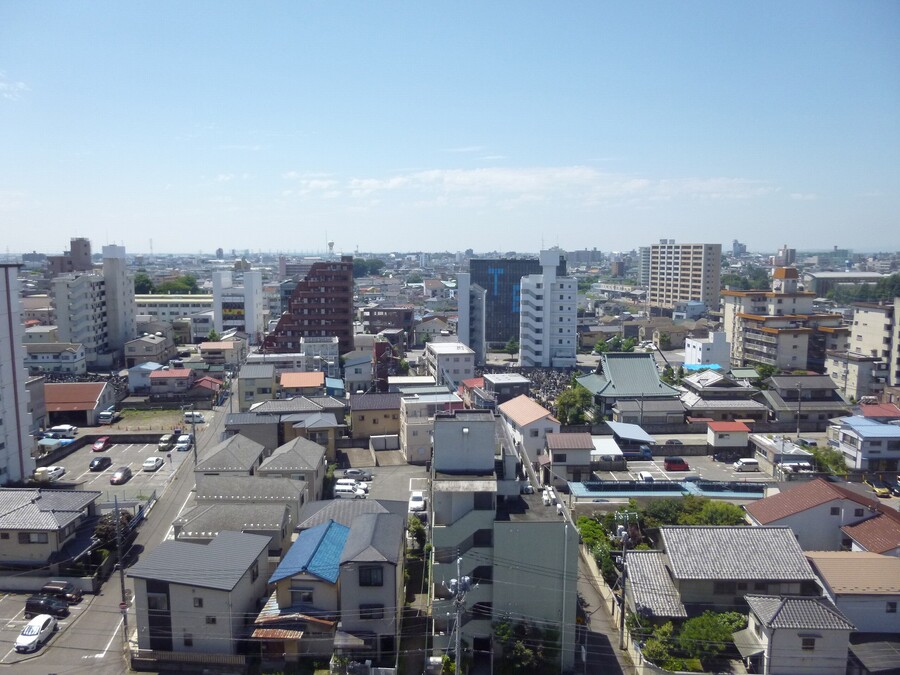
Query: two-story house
x=529, y=423
x=298, y=459
x=256, y=383
x=374, y=415
x=568, y=458
x=196, y=598
x=235, y=456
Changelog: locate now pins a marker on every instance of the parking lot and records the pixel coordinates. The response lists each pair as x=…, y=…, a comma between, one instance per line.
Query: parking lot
x=12, y=621
x=131, y=455
x=700, y=466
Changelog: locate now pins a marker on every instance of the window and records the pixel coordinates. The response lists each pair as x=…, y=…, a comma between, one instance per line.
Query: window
x=559, y=457
x=891, y=608
x=301, y=596
x=198, y=602
x=188, y=640
x=158, y=602
x=835, y=510
x=371, y=611
x=33, y=538
x=533, y=433
x=724, y=588
x=808, y=644
x=4, y=535
x=370, y=576
x=254, y=571
x=210, y=621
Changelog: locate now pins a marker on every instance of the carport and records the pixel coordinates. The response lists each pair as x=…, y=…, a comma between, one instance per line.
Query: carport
x=77, y=403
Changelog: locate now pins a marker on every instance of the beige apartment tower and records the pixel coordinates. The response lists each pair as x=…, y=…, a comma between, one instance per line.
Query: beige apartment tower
x=684, y=273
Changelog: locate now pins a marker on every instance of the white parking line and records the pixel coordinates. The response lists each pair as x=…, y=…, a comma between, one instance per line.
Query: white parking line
x=106, y=648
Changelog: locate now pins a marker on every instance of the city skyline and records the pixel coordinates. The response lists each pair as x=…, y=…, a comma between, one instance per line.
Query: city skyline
x=502, y=127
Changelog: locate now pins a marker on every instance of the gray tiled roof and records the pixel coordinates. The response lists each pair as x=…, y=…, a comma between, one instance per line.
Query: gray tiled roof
x=27, y=509
x=344, y=511
x=249, y=488
x=375, y=537
x=237, y=453
x=299, y=454
x=248, y=418
x=220, y=564
x=796, y=612
x=735, y=553
x=211, y=519
x=806, y=381
x=314, y=420
x=359, y=402
x=286, y=406
x=628, y=375
x=257, y=371
x=651, y=586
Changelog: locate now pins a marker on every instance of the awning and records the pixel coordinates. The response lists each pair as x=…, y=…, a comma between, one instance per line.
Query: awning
x=343, y=640
x=747, y=643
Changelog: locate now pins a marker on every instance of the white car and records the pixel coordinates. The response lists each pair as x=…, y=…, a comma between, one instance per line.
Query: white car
x=36, y=633
x=185, y=443
x=152, y=463
x=417, y=502
x=50, y=473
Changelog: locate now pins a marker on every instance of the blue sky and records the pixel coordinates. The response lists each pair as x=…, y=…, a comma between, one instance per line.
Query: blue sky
x=407, y=126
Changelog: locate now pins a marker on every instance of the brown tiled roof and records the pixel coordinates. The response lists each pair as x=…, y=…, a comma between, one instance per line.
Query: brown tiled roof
x=857, y=572
x=578, y=441
x=728, y=426
x=170, y=374
x=880, y=410
x=877, y=535
x=310, y=379
x=70, y=396
x=523, y=410
x=803, y=497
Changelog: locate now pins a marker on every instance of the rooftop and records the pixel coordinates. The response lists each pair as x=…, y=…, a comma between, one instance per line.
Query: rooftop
x=257, y=371
x=363, y=402
x=802, y=497
x=219, y=565
x=39, y=509
x=523, y=410
x=797, y=613
x=237, y=453
x=857, y=572
x=295, y=380
x=316, y=551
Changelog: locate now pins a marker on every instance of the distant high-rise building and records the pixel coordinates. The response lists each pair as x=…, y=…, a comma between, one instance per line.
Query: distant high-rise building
x=548, y=317
x=120, y=301
x=738, y=249
x=471, y=302
x=643, y=266
x=76, y=259
x=321, y=305
x=501, y=279
x=684, y=272
x=16, y=462
x=239, y=307
x=786, y=257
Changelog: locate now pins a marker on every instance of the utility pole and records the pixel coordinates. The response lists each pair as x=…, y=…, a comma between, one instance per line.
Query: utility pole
x=626, y=516
x=459, y=587
x=123, y=605
x=194, y=431
x=799, y=395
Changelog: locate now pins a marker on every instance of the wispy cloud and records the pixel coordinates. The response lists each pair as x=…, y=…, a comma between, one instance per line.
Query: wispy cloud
x=804, y=196
x=11, y=90
x=511, y=188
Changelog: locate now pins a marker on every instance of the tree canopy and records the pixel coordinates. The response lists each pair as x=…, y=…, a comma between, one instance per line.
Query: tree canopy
x=366, y=268
x=573, y=404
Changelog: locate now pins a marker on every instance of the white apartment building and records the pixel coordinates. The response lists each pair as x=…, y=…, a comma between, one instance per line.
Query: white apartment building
x=684, y=272
x=417, y=413
x=471, y=307
x=55, y=357
x=16, y=462
x=707, y=351
x=779, y=327
x=172, y=307
x=521, y=554
x=548, y=317
x=97, y=310
x=876, y=332
x=449, y=363
x=239, y=307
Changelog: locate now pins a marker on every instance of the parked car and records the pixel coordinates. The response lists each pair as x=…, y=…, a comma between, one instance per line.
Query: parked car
x=100, y=444
x=880, y=487
x=645, y=477
x=358, y=474
x=643, y=453
x=49, y=474
x=895, y=487
x=120, y=476
x=100, y=463
x=417, y=502
x=64, y=590
x=36, y=632
x=67, y=430
x=152, y=464
x=45, y=604
x=674, y=441
x=166, y=441
x=185, y=443
x=676, y=464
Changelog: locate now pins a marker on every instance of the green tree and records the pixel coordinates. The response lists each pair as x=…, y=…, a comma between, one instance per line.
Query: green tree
x=657, y=648
x=213, y=335
x=183, y=285
x=665, y=342
x=573, y=404
x=417, y=531
x=105, y=529
x=708, y=635
x=511, y=347
x=414, y=279
x=668, y=375
x=716, y=513
x=143, y=284
x=829, y=459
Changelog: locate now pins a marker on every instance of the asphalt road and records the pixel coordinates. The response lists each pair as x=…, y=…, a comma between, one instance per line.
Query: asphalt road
x=92, y=640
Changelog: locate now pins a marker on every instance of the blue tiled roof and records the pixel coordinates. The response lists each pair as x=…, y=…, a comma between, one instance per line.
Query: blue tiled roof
x=316, y=551
x=871, y=428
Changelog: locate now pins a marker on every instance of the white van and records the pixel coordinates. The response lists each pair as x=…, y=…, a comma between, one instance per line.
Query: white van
x=191, y=417
x=746, y=464
x=352, y=482
x=348, y=492
x=64, y=430
x=645, y=477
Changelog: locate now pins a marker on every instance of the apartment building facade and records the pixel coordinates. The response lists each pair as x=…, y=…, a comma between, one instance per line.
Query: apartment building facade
x=548, y=317
x=779, y=327
x=239, y=307
x=449, y=363
x=321, y=305
x=684, y=272
x=16, y=462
